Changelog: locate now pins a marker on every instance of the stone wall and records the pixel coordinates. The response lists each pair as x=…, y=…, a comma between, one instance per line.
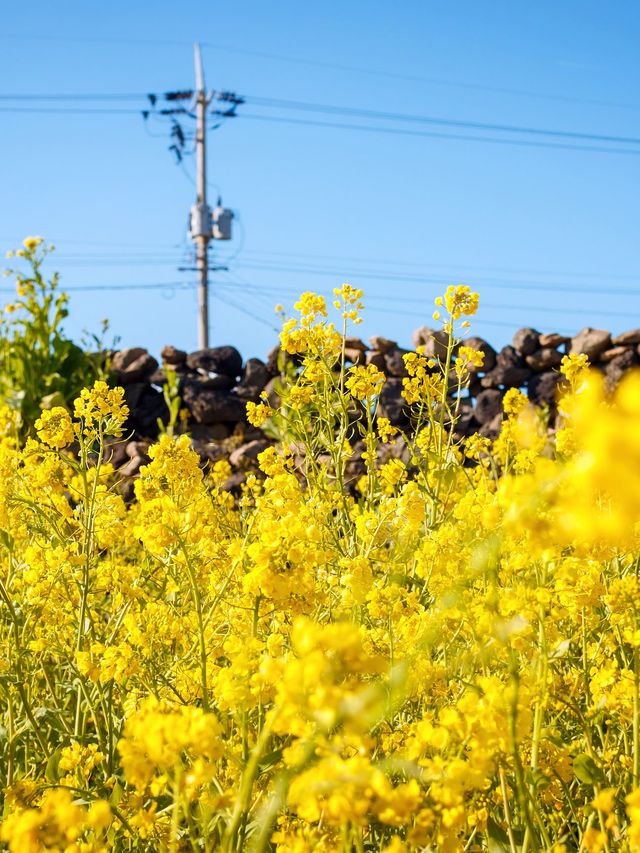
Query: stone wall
x=215, y=385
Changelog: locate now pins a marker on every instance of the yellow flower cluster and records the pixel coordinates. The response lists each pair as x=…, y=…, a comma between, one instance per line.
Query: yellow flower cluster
x=348, y=301
x=461, y=300
x=161, y=741
x=54, y=427
x=392, y=640
x=99, y=404
x=258, y=413
x=365, y=382
x=58, y=824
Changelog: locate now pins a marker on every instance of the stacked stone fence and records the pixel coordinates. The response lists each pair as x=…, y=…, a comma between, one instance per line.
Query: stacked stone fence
x=215, y=385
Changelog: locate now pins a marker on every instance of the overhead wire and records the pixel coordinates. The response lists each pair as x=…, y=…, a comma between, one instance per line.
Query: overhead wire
x=173, y=285
x=392, y=300
x=355, y=274
x=374, y=271
x=358, y=112
x=442, y=279
x=72, y=110
x=372, y=309
x=244, y=310
x=331, y=109
x=438, y=81
x=402, y=262
x=352, y=112
x=73, y=96
x=367, y=128
x=367, y=115
x=308, y=61
x=91, y=242
x=292, y=261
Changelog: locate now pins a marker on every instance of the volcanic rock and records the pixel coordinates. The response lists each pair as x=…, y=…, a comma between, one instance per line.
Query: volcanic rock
x=392, y=404
x=132, y=365
x=171, y=355
x=543, y=388
x=544, y=359
x=225, y=360
x=248, y=452
x=210, y=406
x=625, y=338
x=617, y=367
x=591, y=342
x=488, y=405
x=381, y=344
x=615, y=352
x=553, y=339
x=355, y=356
x=526, y=341
x=146, y=405
x=394, y=364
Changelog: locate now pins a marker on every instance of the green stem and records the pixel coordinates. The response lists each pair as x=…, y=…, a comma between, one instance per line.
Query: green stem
x=20, y=678
x=243, y=800
x=636, y=718
x=197, y=600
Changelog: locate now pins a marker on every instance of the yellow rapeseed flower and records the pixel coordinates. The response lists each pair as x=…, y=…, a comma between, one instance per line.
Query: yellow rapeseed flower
x=363, y=383
x=54, y=427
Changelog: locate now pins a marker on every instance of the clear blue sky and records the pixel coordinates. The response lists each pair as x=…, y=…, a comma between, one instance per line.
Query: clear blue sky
x=550, y=237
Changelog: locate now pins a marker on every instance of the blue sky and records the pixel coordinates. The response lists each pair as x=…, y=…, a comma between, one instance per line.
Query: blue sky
x=549, y=236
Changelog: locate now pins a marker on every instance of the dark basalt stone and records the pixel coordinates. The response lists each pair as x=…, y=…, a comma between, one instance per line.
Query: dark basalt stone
x=488, y=405
x=543, y=388
x=210, y=406
x=225, y=359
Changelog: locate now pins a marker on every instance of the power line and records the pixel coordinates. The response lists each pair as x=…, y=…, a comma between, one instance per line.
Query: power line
x=355, y=274
x=291, y=257
x=244, y=310
x=166, y=285
x=389, y=311
x=438, y=81
x=71, y=110
x=439, y=135
x=297, y=60
x=358, y=112
x=330, y=109
x=115, y=262
x=112, y=243
x=94, y=39
x=442, y=280
x=294, y=262
x=75, y=96
x=396, y=262
x=392, y=300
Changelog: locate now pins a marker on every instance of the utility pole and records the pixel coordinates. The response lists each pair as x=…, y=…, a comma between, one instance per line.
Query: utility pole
x=205, y=224
x=202, y=234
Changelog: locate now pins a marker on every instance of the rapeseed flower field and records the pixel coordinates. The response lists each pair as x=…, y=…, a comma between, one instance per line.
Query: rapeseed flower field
x=442, y=655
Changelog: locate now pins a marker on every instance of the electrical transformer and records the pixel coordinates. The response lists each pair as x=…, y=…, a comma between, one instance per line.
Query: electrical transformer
x=200, y=221
x=221, y=223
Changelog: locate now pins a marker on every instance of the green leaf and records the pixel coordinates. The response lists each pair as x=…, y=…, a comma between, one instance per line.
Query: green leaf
x=585, y=769
x=270, y=760
x=116, y=794
x=51, y=771
x=51, y=400
x=560, y=650
x=537, y=779
x=497, y=838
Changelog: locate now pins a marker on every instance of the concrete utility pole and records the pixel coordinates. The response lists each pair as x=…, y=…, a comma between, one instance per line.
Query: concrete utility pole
x=205, y=224
x=202, y=231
